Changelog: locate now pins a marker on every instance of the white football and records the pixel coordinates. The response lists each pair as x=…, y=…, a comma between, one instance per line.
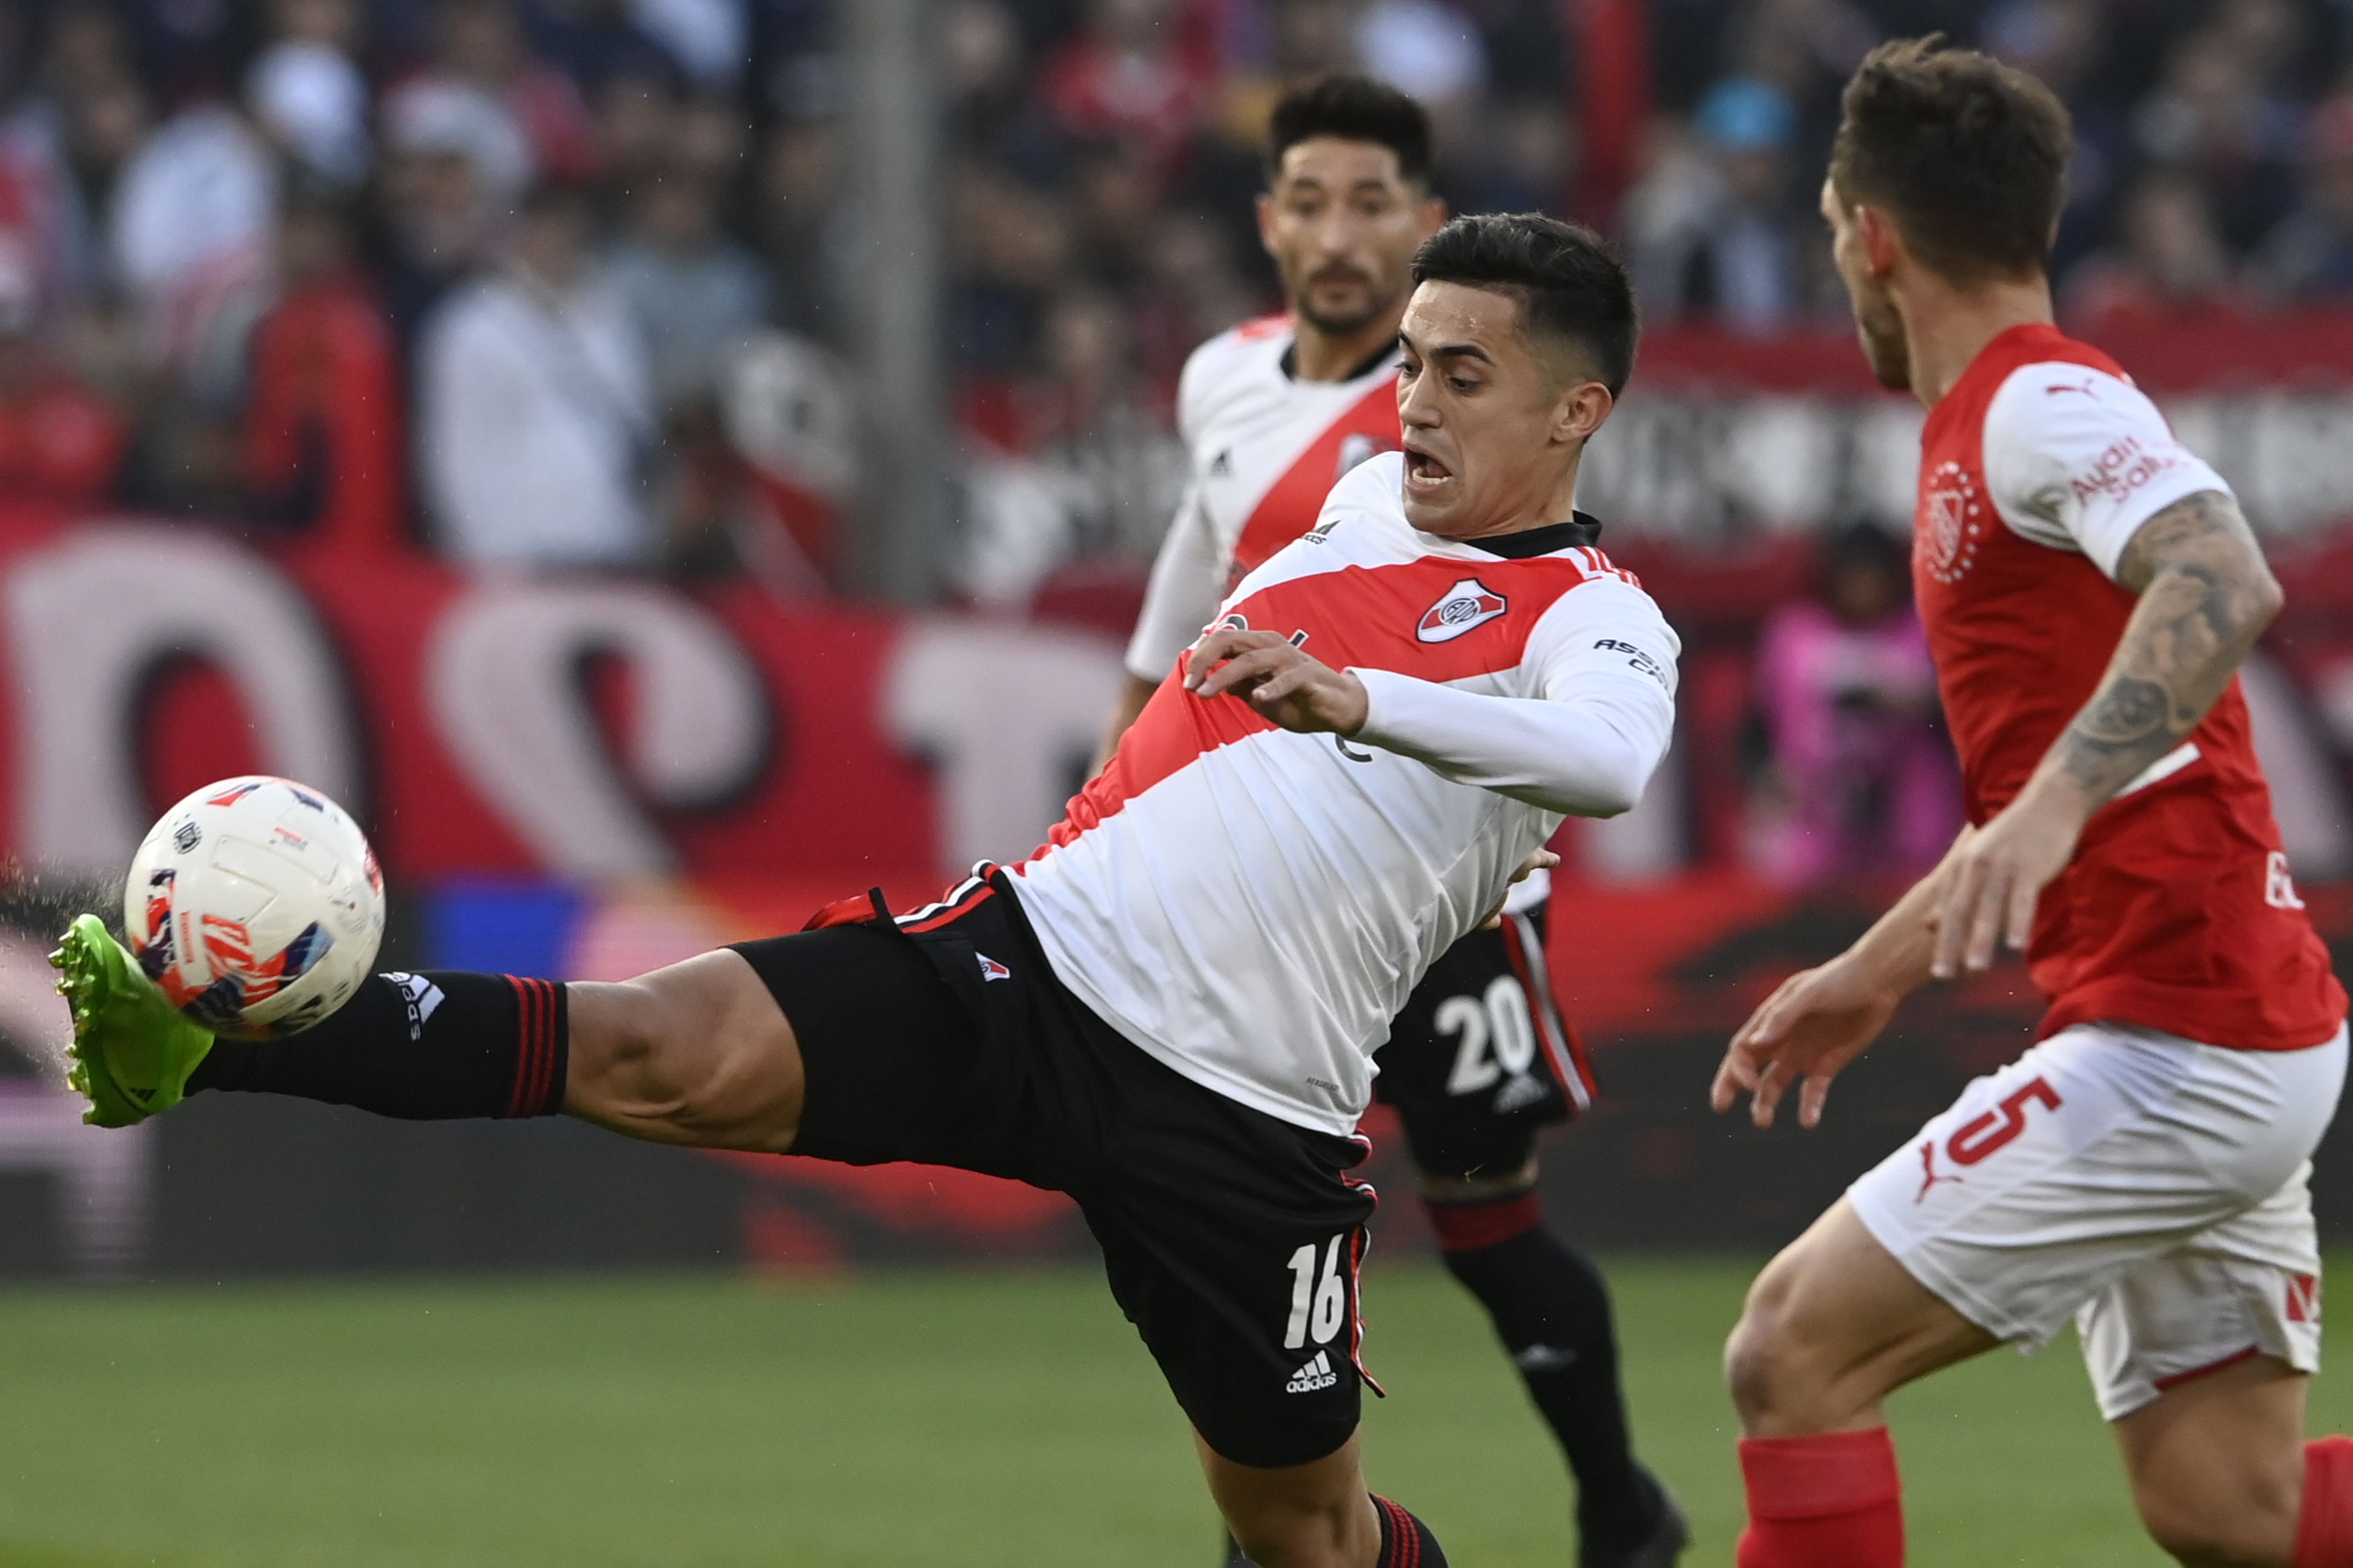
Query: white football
x=255, y=905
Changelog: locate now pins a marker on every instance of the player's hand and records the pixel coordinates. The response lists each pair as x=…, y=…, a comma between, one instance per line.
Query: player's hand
x=1999, y=871
x=1819, y=1020
x=1540, y=860
x=1270, y=673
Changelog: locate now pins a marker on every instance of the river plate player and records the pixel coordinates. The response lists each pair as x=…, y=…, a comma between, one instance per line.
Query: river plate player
x=2088, y=588
x=1168, y=1011
x=1273, y=414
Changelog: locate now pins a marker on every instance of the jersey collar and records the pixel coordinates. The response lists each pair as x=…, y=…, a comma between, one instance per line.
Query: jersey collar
x=1530, y=542
x=1380, y=357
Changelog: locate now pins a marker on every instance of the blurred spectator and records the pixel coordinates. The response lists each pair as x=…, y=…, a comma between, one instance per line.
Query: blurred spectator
x=457, y=163
x=534, y=419
x=58, y=443
x=1125, y=78
x=479, y=44
x=791, y=219
x=706, y=37
x=308, y=93
x=1013, y=248
x=2064, y=42
x=324, y=452
x=2215, y=115
x=2170, y=260
x=1860, y=781
x=1427, y=49
x=2308, y=258
x=696, y=295
x=190, y=222
x=1710, y=226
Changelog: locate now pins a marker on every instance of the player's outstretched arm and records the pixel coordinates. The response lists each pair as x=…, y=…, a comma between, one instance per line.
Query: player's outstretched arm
x=2206, y=595
x=1822, y=1018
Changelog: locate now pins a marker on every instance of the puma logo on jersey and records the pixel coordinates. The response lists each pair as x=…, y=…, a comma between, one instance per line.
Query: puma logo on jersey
x=1468, y=604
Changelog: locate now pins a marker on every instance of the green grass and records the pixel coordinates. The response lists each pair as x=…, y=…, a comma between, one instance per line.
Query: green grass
x=964, y=1420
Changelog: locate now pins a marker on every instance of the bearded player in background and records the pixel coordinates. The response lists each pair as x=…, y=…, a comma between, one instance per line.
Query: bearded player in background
x=2088, y=588
x=1274, y=413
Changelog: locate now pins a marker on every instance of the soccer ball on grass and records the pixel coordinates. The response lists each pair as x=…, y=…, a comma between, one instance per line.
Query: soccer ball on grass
x=255, y=905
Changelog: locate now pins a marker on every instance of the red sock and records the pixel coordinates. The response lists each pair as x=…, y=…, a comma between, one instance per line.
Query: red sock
x=1831, y=1501
x=2323, y=1529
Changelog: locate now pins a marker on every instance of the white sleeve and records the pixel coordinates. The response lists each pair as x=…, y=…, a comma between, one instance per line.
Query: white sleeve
x=1603, y=660
x=2077, y=459
x=1187, y=581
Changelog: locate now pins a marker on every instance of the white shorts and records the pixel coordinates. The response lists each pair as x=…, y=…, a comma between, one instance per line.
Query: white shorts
x=2151, y=1188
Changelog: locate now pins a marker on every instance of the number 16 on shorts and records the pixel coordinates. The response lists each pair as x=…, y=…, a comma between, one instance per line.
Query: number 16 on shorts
x=1319, y=1293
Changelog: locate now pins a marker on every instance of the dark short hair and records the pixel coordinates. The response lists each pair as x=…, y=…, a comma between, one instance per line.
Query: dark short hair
x=1967, y=155
x=1568, y=283
x=1354, y=108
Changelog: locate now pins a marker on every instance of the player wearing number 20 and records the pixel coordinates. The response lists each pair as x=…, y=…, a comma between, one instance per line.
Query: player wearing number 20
x=2088, y=588
x=1168, y=1010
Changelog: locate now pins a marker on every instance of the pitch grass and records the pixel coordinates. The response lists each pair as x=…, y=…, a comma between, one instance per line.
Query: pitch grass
x=963, y=1420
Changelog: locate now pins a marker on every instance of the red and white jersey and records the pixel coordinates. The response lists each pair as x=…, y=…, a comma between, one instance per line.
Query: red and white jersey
x=2177, y=913
x=1251, y=905
x=1264, y=449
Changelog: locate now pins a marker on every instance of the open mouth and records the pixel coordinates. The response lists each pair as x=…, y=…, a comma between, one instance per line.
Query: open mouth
x=1422, y=470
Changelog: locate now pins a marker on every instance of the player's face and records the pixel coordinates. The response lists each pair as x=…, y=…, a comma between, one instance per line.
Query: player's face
x=1342, y=225
x=1492, y=429
x=1875, y=318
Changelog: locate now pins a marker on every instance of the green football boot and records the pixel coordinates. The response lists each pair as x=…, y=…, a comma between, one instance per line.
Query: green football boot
x=132, y=1050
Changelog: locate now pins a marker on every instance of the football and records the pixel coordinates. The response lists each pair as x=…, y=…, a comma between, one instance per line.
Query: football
x=255, y=905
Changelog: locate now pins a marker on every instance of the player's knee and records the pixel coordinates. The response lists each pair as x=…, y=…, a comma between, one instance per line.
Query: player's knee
x=2198, y=1537
x=2221, y=1526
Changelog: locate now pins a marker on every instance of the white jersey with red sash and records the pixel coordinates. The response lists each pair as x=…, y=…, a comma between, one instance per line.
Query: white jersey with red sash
x=2178, y=912
x=1265, y=448
x=1251, y=905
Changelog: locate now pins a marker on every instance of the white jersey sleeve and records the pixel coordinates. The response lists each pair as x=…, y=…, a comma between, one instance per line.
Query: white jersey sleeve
x=1584, y=741
x=2077, y=459
x=1182, y=595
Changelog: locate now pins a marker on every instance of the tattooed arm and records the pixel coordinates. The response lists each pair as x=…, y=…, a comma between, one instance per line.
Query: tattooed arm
x=2205, y=595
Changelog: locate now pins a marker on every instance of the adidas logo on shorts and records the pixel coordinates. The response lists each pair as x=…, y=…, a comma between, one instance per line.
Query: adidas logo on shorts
x=1316, y=1374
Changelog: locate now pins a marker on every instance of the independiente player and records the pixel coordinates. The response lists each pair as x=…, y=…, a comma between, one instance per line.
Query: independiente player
x=2088, y=588
x=1168, y=1010
x=1273, y=414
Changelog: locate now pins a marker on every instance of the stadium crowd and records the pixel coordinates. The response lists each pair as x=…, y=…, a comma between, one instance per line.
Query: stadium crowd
x=481, y=270
x=560, y=284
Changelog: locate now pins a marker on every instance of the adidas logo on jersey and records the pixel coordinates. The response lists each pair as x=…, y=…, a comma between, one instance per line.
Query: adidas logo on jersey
x=421, y=995
x=1315, y=1375
x=992, y=970
x=1468, y=604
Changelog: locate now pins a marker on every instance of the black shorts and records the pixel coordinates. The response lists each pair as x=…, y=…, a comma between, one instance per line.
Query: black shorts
x=1231, y=1239
x=1482, y=1058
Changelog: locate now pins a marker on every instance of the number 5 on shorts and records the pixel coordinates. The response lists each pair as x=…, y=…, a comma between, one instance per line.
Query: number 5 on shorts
x=1316, y=1308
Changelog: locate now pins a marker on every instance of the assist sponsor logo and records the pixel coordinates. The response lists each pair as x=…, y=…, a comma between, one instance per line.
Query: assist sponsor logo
x=1468, y=605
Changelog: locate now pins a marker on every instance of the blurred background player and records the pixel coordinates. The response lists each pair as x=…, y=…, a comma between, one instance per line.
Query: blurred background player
x=1274, y=413
x=2089, y=588
x=1168, y=1011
